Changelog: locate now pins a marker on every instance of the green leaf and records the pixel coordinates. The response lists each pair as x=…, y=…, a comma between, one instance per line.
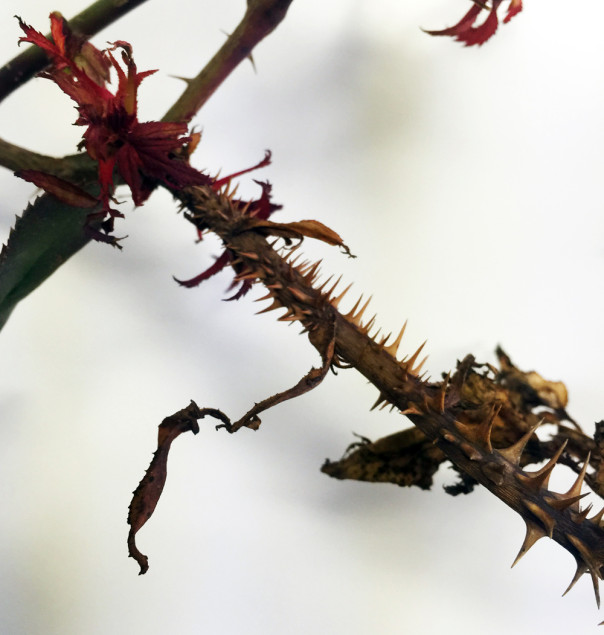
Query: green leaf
x=43, y=238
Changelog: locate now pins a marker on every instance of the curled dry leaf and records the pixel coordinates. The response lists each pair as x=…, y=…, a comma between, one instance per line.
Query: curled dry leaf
x=299, y=229
x=147, y=494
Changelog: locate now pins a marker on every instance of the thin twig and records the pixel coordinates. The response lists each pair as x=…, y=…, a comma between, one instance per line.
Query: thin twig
x=260, y=19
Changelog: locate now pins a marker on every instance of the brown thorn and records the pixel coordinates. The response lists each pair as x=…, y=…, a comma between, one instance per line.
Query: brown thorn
x=564, y=503
x=412, y=410
x=365, y=328
x=587, y=563
x=582, y=515
x=415, y=371
x=575, y=490
x=392, y=349
x=470, y=451
x=303, y=267
x=514, y=452
x=354, y=309
x=443, y=394
x=336, y=301
x=533, y=533
x=313, y=272
x=581, y=569
x=275, y=304
x=250, y=255
x=359, y=316
x=548, y=522
x=380, y=401
x=479, y=433
x=324, y=284
x=596, y=519
x=264, y=297
x=407, y=364
x=540, y=479
x=384, y=339
x=333, y=288
x=300, y=295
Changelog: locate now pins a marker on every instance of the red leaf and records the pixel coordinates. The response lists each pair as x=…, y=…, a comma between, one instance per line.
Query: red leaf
x=221, y=262
x=514, y=8
x=66, y=192
x=465, y=31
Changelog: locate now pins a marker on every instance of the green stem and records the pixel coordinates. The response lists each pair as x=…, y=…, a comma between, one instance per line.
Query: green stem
x=260, y=19
x=87, y=23
x=77, y=168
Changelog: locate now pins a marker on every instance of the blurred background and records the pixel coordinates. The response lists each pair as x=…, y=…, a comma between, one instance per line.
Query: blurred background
x=468, y=184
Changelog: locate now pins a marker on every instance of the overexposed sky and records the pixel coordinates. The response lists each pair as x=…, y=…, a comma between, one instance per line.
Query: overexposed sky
x=466, y=181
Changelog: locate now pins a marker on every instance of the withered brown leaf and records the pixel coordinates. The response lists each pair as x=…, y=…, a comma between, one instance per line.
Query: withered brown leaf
x=146, y=495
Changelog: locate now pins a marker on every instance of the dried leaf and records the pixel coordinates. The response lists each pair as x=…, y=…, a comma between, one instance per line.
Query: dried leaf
x=147, y=494
x=299, y=229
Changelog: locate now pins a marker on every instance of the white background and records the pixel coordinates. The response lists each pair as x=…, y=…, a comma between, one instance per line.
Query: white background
x=467, y=182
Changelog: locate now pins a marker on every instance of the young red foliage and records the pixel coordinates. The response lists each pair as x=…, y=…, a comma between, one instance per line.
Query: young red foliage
x=465, y=31
x=141, y=152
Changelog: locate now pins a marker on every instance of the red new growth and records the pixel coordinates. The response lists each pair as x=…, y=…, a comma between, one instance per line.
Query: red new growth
x=465, y=31
x=141, y=152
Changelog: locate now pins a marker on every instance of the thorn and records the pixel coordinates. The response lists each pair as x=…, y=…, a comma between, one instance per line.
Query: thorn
x=384, y=339
x=336, y=301
x=548, y=522
x=581, y=569
x=354, y=309
x=313, y=272
x=300, y=295
x=582, y=515
x=514, y=452
x=587, y=563
x=443, y=394
x=251, y=255
x=288, y=316
x=369, y=325
x=275, y=304
x=533, y=533
x=575, y=490
x=480, y=433
x=564, y=503
x=356, y=319
x=470, y=451
x=449, y=436
x=494, y=472
x=596, y=519
x=379, y=402
x=374, y=336
x=324, y=284
x=540, y=479
x=415, y=371
x=413, y=410
x=392, y=349
x=303, y=267
x=407, y=364
x=264, y=297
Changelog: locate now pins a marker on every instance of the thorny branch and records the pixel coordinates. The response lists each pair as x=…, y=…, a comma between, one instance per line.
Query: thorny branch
x=481, y=419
